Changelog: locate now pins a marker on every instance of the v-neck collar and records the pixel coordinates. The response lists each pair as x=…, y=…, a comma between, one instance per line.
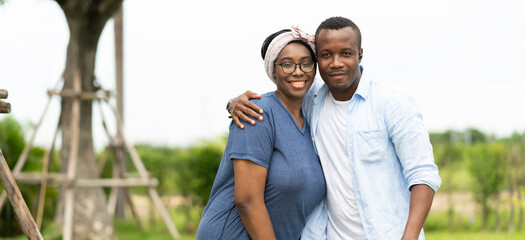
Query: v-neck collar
x=303, y=130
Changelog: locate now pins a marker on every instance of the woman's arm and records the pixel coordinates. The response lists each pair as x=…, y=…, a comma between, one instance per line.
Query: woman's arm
x=250, y=181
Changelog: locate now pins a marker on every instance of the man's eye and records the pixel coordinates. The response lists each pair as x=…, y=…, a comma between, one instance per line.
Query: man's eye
x=347, y=54
x=325, y=55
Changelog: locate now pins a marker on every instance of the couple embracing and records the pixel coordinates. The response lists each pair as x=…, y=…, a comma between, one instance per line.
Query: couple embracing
x=344, y=157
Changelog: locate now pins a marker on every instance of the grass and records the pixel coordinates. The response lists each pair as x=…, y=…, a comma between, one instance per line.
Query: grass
x=127, y=230
x=443, y=235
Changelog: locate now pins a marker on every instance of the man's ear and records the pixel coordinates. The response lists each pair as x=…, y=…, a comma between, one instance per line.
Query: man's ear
x=360, y=55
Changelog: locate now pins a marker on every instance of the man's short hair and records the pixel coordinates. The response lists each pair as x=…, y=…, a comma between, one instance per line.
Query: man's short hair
x=336, y=23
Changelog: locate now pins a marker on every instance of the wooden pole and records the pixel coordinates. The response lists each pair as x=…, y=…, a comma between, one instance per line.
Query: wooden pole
x=48, y=157
x=26, y=221
x=120, y=156
x=67, y=231
x=42, y=191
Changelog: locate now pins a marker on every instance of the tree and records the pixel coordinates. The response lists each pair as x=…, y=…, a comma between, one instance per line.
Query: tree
x=488, y=168
x=448, y=156
x=86, y=20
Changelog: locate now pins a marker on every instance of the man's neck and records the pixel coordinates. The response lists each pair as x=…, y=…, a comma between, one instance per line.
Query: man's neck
x=346, y=94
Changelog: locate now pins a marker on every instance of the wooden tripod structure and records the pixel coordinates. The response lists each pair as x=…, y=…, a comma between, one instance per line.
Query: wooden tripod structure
x=69, y=180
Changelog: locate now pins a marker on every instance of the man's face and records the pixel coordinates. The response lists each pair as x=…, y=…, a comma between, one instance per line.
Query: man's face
x=338, y=57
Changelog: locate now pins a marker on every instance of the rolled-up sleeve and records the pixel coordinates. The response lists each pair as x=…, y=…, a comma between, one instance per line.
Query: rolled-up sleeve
x=411, y=141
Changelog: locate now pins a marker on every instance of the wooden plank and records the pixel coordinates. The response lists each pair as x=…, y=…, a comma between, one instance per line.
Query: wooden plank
x=26, y=221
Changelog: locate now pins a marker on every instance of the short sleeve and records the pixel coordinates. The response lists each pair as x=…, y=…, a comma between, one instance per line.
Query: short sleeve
x=254, y=143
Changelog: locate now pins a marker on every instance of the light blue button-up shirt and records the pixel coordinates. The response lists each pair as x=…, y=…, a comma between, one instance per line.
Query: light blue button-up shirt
x=388, y=151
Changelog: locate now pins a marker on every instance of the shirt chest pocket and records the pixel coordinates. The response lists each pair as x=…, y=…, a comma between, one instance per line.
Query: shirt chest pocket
x=371, y=145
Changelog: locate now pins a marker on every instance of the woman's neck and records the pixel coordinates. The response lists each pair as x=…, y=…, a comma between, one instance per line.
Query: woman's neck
x=293, y=105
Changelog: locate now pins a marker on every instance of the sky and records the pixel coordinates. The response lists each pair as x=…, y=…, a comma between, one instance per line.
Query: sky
x=462, y=60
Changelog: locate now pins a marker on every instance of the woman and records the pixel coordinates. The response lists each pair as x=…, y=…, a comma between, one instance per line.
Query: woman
x=270, y=178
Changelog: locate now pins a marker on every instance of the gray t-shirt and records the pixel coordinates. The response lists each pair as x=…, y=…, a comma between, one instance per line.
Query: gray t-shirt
x=295, y=183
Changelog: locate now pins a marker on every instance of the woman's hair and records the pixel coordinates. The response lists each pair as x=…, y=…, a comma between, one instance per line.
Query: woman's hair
x=270, y=38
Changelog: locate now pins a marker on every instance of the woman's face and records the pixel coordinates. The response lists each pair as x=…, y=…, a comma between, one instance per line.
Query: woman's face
x=297, y=83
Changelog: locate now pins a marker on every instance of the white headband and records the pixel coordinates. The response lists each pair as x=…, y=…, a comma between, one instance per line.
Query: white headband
x=279, y=42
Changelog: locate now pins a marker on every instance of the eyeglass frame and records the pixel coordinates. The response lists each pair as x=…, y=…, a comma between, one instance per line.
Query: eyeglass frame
x=295, y=66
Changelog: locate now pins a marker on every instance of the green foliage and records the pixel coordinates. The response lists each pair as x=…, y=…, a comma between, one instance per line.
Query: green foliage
x=11, y=140
x=488, y=168
x=201, y=168
x=185, y=171
x=476, y=136
x=12, y=143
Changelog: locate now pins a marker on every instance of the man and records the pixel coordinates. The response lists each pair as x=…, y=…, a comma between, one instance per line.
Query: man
x=375, y=152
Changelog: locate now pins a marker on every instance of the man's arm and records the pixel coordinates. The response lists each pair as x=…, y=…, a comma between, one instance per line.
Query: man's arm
x=420, y=203
x=414, y=151
x=240, y=106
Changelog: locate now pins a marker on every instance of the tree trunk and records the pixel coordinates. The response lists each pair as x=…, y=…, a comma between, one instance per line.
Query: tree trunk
x=86, y=20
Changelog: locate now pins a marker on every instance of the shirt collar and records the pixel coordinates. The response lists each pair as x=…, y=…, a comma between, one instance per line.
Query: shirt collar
x=363, y=88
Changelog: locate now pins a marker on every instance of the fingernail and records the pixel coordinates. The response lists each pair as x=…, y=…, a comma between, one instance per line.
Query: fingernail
x=242, y=126
x=260, y=110
x=252, y=122
x=260, y=118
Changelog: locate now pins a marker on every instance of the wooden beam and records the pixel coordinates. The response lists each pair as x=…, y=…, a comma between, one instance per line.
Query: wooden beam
x=37, y=177
x=67, y=93
x=115, y=182
x=26, y=221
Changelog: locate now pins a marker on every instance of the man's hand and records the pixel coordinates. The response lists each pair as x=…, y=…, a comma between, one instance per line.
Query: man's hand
x=241, y=106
